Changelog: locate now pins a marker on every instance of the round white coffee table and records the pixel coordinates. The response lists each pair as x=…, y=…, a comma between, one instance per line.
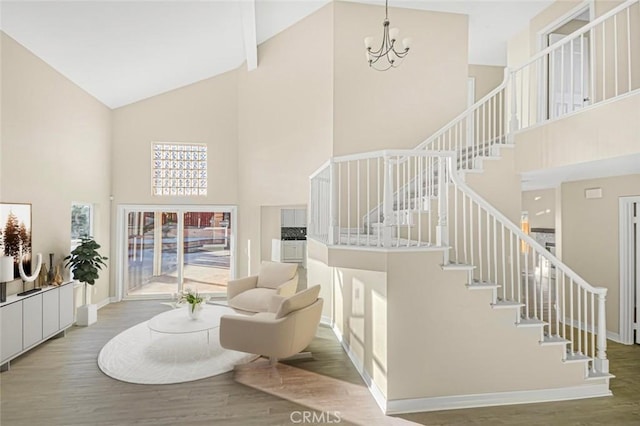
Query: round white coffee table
x=177, y=321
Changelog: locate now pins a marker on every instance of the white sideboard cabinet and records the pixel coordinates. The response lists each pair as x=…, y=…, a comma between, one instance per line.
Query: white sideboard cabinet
x=27, y=321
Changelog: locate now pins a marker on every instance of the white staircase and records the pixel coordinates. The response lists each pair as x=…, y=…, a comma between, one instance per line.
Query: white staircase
x=417, y=200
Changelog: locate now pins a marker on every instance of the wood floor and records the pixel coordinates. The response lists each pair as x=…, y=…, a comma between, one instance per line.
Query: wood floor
x=59, y=383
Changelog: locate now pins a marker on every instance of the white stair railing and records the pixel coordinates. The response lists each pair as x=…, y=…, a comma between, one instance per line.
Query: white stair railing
x=546, y=87
x=521, y=274
x=405, y=186
x=606, y=54
x=526, y=276
x=475, y=132
x=596, y=63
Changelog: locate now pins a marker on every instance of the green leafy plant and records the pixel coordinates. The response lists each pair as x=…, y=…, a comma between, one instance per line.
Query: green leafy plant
x=85, y=262
x=191, y=297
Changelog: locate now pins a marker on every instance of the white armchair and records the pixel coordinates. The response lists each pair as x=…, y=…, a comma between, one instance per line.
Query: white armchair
x=253, y=294
x=288, y=327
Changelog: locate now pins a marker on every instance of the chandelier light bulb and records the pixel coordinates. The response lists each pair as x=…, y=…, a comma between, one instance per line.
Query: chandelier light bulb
x=406, y=42
x=393, y=34
x=368, y=42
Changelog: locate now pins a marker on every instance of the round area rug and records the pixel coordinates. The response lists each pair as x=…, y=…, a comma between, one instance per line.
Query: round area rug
x=138, y=355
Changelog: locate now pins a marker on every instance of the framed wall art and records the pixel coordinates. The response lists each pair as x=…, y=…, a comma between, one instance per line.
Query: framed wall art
x=15, y=234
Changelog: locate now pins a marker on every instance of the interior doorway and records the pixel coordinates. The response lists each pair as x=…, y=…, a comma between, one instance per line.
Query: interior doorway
x=629, y=269
x=568, y=69
x=166, y=249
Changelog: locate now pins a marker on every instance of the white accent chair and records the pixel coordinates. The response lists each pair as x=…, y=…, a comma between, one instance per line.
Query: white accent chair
x=286, y=329
x=253, y=294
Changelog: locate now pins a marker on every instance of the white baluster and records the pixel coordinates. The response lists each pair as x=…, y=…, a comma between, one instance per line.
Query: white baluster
x=442, y=233
x=358, y=202
x=513, y=122
x=615, y=54
x=629, y=49
x=387, y=202
x=334, y=237
x=349, y=198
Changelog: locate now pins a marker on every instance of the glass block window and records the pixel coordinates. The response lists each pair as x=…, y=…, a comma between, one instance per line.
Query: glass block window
x=179, y=169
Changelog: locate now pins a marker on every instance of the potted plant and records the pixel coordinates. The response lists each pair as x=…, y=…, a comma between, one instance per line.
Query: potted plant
x=193, y=300
x=85, y=263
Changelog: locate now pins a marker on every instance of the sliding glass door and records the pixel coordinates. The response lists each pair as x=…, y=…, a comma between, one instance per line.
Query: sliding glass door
x=165, y=249
x=207, y=251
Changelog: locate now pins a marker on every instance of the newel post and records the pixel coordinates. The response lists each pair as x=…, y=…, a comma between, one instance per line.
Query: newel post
x=387, y=203
x=602, y=363
x=333, y=204
x=442, y=230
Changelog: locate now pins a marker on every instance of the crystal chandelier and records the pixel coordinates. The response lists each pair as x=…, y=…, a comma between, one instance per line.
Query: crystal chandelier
x=386, y=56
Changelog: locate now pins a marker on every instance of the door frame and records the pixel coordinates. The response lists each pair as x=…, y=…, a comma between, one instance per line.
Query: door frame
x=541, y=44
x=180, y=209
x=629, y=267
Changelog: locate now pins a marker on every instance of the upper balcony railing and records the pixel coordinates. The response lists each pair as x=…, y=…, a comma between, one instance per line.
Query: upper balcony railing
x=598, y=62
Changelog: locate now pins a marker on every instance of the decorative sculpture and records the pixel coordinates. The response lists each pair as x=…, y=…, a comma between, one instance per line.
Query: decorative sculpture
x=29, y=278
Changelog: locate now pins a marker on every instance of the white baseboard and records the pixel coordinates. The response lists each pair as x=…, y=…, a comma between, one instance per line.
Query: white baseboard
x=377, y=394
x=615, y=337
x=104, y=302
x=582, y=327
x=325, y=320
x=499, y=398
x=400, y=406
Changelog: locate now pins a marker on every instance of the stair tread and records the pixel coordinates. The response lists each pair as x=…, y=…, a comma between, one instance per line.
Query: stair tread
x=530, y=322
x=506, y=304
x=457, y=267
x=595, y=375
x=482, y=285
x=554, y=340
x=577, y=357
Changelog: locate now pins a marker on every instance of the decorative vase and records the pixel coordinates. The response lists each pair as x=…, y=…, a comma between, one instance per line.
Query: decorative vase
x=52, y=273
x=194, y=310
x=58, y=276
x=41, y=281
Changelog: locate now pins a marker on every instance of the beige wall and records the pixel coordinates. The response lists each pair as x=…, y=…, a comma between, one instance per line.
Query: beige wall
x=410, y=325
x=55, y=150
x=319, y=272
x=541, y=206
x=590, y=234
x=285, y=125
x=355, y=302
x=450, y=338
x=499, y=173
x=487, y=78
x=608, y=131
x=402, y=107
x=203, y=112
x=361, y=316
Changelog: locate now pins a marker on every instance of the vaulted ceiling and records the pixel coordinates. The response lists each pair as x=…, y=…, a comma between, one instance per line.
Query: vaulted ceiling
x=125, y=51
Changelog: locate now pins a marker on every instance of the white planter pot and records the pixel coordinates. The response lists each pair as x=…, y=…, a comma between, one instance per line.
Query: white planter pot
x=87, y=315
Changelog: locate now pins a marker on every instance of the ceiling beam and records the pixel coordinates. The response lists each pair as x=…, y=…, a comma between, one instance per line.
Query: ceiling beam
x=248, y=12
